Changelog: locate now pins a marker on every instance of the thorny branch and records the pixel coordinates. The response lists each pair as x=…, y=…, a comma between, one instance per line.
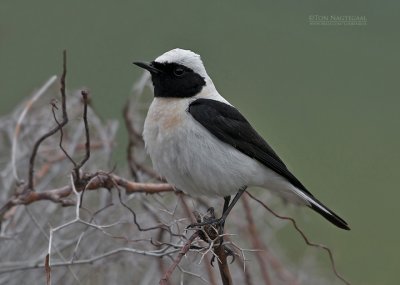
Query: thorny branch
x=182, y=252
x=167, y=238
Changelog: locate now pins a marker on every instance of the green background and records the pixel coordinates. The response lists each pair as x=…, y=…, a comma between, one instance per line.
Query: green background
x=326, y=98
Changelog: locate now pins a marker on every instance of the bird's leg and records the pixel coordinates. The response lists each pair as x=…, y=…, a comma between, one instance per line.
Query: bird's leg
x=232, y=204
x=227, y=209
x=227, y=199
x=220, y=222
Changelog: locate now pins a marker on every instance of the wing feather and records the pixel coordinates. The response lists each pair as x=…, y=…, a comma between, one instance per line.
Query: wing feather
x=230, y=126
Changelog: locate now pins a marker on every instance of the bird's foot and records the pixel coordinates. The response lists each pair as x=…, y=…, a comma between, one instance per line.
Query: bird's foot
x=208, y=220
x=211, y=230
x=228, y=252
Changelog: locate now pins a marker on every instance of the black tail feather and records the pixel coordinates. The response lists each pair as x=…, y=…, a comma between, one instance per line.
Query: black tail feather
x=329, y=215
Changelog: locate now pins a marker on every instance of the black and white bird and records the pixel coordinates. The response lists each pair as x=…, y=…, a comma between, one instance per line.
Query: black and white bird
x=203, y=145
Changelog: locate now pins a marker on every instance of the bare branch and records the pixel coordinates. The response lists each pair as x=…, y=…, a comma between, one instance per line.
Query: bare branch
x=18, y=126
x=155, y=253
x=60, y=144
x=77, y=167
x=30, y=186
x=134, y=138
x=48, y=270
x=182, y=253
x=97, y=181
x=254, y=237
x=223, y=266
x=305, y=238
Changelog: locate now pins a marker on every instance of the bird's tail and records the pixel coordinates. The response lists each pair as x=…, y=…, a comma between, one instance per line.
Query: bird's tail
x=327, y=213
x=321, y=209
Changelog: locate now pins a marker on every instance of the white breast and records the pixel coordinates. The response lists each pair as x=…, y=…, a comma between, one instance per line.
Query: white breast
x=191, y=158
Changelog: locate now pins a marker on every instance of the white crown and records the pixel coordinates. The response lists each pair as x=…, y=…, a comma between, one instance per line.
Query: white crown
x=184, y=57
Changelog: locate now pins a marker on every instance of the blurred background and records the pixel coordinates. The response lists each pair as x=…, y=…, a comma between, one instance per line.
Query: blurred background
x=325, y=97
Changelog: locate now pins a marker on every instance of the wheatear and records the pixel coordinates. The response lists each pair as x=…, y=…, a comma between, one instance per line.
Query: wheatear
x=203, y=145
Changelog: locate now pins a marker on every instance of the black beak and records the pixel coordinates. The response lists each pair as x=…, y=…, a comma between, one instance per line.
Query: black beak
x=148, y=66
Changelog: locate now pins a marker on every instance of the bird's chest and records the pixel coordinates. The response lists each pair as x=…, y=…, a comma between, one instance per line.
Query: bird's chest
x=166, y=130
x=187, y=155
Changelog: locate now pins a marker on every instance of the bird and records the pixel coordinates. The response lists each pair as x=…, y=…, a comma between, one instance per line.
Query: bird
x=203, y=145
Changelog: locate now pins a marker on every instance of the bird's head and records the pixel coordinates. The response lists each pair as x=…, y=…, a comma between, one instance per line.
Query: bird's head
x=177, y=73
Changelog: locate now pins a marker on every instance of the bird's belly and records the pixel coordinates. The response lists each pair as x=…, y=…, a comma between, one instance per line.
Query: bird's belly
x=195, y=161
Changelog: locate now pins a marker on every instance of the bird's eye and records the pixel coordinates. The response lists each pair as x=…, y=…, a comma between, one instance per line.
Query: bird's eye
x=179, y=71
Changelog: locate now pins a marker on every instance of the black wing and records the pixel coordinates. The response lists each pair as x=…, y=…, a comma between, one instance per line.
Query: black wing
x=227, y=124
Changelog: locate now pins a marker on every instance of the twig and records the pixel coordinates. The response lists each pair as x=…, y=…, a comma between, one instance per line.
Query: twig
x=186, y=207
x=306, y=240
x=155, y=253
x=134, y=138
x=140, y=228
x=60, y=143
x=161, y=264
x=77, y=167
x=254, y=237
x=30, y=186
x=181, y=254
x=18, y=126
x=247, y=275
x=207, y=262
x=212, y=235
x=282, y=272
x=48, y=270
x=59, y=253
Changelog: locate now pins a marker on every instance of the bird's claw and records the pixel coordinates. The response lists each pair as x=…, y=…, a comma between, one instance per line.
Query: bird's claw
x=207, y=220
x=228, y=252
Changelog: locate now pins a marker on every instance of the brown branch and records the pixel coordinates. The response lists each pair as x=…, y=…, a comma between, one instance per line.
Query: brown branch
x=30, y=186
x=223, y=265
x=186, y=208
x=161, y=264
x=140, y=228
x=95, y=182
x=131, y=187
x=207, y=262
x=209, y=233
x=255, y=240
x=134, y=138
x=181, y=254
x=305, y=238
x=48, y=270
x=54, y=107
x=263, y=255
x=77, y=167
